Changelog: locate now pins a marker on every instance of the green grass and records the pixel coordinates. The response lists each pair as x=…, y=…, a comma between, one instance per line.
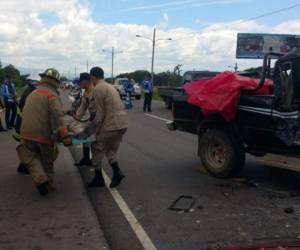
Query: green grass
x=20, y=91
x=156, y=95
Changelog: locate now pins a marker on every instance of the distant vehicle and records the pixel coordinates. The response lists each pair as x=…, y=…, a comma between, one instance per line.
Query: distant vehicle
x=167, y=92
x=119, y=85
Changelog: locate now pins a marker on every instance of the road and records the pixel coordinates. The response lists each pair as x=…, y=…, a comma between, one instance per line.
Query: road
x=161, y=165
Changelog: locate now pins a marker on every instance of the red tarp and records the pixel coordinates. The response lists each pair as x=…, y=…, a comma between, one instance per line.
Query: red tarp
x=221, y=94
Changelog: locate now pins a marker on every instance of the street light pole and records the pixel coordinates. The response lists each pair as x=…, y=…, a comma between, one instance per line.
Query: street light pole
x=113, y=52
x=112, y=64
x=152, y=61
x=153, y=40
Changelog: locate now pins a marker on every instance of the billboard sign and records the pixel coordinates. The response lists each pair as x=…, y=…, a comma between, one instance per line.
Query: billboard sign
x=255, y=46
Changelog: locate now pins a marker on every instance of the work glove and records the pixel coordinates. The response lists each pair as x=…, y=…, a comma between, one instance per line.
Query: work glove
x=67, y=141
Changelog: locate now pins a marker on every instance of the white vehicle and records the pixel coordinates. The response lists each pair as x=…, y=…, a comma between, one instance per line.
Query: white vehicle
x=119, y=85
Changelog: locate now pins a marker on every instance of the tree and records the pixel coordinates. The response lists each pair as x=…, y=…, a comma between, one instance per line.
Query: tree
x=12, y=73
x=257, y=69
x=163, y=78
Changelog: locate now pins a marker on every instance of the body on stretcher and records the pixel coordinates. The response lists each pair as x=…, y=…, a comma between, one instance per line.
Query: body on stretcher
x=82, y=132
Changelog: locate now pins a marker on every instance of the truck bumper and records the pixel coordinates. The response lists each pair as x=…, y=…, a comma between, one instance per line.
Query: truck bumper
x=171, y=126
x=281, y=161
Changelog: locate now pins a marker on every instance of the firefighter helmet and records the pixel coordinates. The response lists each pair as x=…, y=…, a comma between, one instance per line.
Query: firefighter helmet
x=51, y=73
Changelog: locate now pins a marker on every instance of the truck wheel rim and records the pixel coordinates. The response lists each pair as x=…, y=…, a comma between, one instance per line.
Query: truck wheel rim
x=216, y=154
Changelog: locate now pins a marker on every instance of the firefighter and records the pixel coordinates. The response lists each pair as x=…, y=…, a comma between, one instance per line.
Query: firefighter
x=31, y=86
x=86, y=84
x=111, y=123
x=41, y=119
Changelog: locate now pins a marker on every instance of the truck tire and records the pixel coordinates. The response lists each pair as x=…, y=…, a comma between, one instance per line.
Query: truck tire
x=221, y=153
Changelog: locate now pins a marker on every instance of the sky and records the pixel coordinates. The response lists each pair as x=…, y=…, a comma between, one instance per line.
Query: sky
x=64, y=34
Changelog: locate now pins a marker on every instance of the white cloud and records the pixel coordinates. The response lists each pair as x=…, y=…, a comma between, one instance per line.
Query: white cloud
x=26, y=41
x=164, y=22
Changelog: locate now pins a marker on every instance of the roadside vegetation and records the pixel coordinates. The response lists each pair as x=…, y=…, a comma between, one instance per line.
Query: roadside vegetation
x=11, y=72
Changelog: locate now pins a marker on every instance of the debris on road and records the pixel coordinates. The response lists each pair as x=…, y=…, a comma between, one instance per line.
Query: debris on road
x=289, y=210
x=183, y=199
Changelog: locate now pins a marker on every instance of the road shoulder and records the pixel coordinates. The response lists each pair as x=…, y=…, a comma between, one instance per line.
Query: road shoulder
x=63, y=220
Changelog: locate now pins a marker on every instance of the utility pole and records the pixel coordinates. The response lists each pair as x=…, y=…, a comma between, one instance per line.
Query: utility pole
x=75, y=71
x=152, y=62
x=113, y=52
x=153, y=40
x=236, y=67
x=87, y=66
x=112, y=64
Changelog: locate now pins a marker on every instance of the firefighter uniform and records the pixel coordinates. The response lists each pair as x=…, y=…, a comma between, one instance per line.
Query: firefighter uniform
x=42, y=116
x=112, y=123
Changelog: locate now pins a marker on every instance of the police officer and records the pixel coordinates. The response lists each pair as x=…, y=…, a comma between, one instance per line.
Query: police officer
x=111, y=122
x=9, y=93
x=128, y=86
x=42, y=117
x=2, y=110
x=86, y=84
x=148, y=90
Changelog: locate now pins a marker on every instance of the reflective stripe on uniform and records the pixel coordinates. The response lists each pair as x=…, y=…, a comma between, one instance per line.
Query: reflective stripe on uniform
x=37, y=138
x=45, y=92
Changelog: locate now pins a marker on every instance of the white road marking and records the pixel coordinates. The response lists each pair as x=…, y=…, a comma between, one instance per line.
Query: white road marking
x=158, y=118
x=134, y=223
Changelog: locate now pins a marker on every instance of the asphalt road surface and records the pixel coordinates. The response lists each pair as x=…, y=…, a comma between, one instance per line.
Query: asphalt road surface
x=161, y=165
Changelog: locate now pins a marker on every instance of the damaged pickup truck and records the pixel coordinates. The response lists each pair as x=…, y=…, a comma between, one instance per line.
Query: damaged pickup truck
x=265, y=125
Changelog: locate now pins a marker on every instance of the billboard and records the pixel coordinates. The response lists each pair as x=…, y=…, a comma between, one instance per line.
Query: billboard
x=252, y=45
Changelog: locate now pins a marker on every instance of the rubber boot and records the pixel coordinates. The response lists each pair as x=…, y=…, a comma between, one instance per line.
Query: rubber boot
x=98, y=180
x=22, y=169
x=43, y=188
x=118, y=176
x=86, y=160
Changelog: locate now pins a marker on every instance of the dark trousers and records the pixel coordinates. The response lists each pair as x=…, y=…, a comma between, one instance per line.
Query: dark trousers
x=128, y=94
x=1, y=128
x=10, y=113
x=147, y=101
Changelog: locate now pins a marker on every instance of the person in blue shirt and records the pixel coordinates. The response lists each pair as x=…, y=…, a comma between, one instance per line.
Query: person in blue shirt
x=148, y=90
x=8, y=91
x=128, y=86
x=1, y=112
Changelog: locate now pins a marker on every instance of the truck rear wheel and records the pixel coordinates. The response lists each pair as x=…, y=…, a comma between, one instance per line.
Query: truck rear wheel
x=221, y=153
